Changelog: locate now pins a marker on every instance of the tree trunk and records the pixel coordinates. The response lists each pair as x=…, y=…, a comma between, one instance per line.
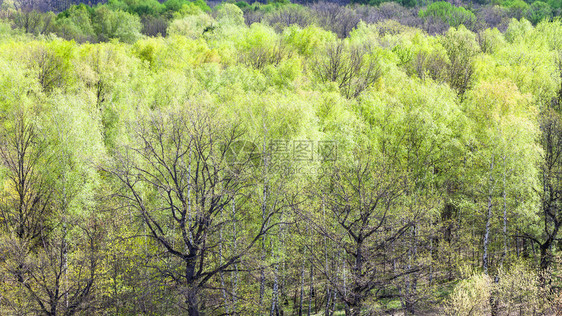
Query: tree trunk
x=487, y=235
x=485, y=259
x=263, y=210
x=311, y=292
x=192, y=299
x=504, y=194
x=545, y=261
x=221, y=274
x=275, y=295
x=193, y=303
x=302, y=286
x=235, y=246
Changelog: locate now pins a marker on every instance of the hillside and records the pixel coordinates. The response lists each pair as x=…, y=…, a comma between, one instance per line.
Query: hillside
x=280, y=159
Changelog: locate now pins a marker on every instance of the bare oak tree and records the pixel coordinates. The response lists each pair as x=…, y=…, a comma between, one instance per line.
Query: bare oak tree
x=363, y=215
x=178, y=176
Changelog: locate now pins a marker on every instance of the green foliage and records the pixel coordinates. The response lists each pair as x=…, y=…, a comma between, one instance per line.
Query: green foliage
x=18, y=86
x=184, y=7
x=242, y=4
x=120, y=25
x=438, y=140
x=191, y=26
x=175, y=5
x=490, y=40
x=518, y=8
x=461, y=47
x=555, y=4
x=230, y=14
x=471, y=296
x=454, y=16
x=138, y=7
x=306, y=41
x=33, y=21
x=517, y=30
x=118, y=5
x=516, y=289
x=539, y=11
x=269, y=7
x=51, y=64
x=76, y=23
x=6, y=29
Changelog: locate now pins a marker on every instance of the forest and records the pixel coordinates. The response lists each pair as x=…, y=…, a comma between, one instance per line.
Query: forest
x=191, y=158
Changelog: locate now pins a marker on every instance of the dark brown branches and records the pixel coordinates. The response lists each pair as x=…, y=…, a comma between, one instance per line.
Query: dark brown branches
x=178, y=178
x=362, y=206
x=25, y=208
x=353, y=69
x=261, y=56
x=551, y=191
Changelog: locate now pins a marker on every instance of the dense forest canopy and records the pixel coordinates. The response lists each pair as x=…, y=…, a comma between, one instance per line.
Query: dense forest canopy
x=284, y=159
x=98, y=21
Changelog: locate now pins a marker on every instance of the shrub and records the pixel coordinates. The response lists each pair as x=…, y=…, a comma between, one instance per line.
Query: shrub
x=470, y=297
x=518, y=289
x=514, y=290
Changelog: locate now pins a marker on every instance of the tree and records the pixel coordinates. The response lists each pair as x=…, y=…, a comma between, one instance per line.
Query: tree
x=25, y=210
x=289, y=15
x=504, y=153
x=154, y=26
x=363, y=215
x=229, y=13
x=47, y=271
x=539, y=11
x=454, y=16
x=354, y=69
x=461, y=47
x=76, y=23
x=331, y=16
x=191, y=26
x=550, y=211
x=34, y=22
x=517, y=8
x=52, y=65
x=176, y=178
x=110, y=24
x=42, y=280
